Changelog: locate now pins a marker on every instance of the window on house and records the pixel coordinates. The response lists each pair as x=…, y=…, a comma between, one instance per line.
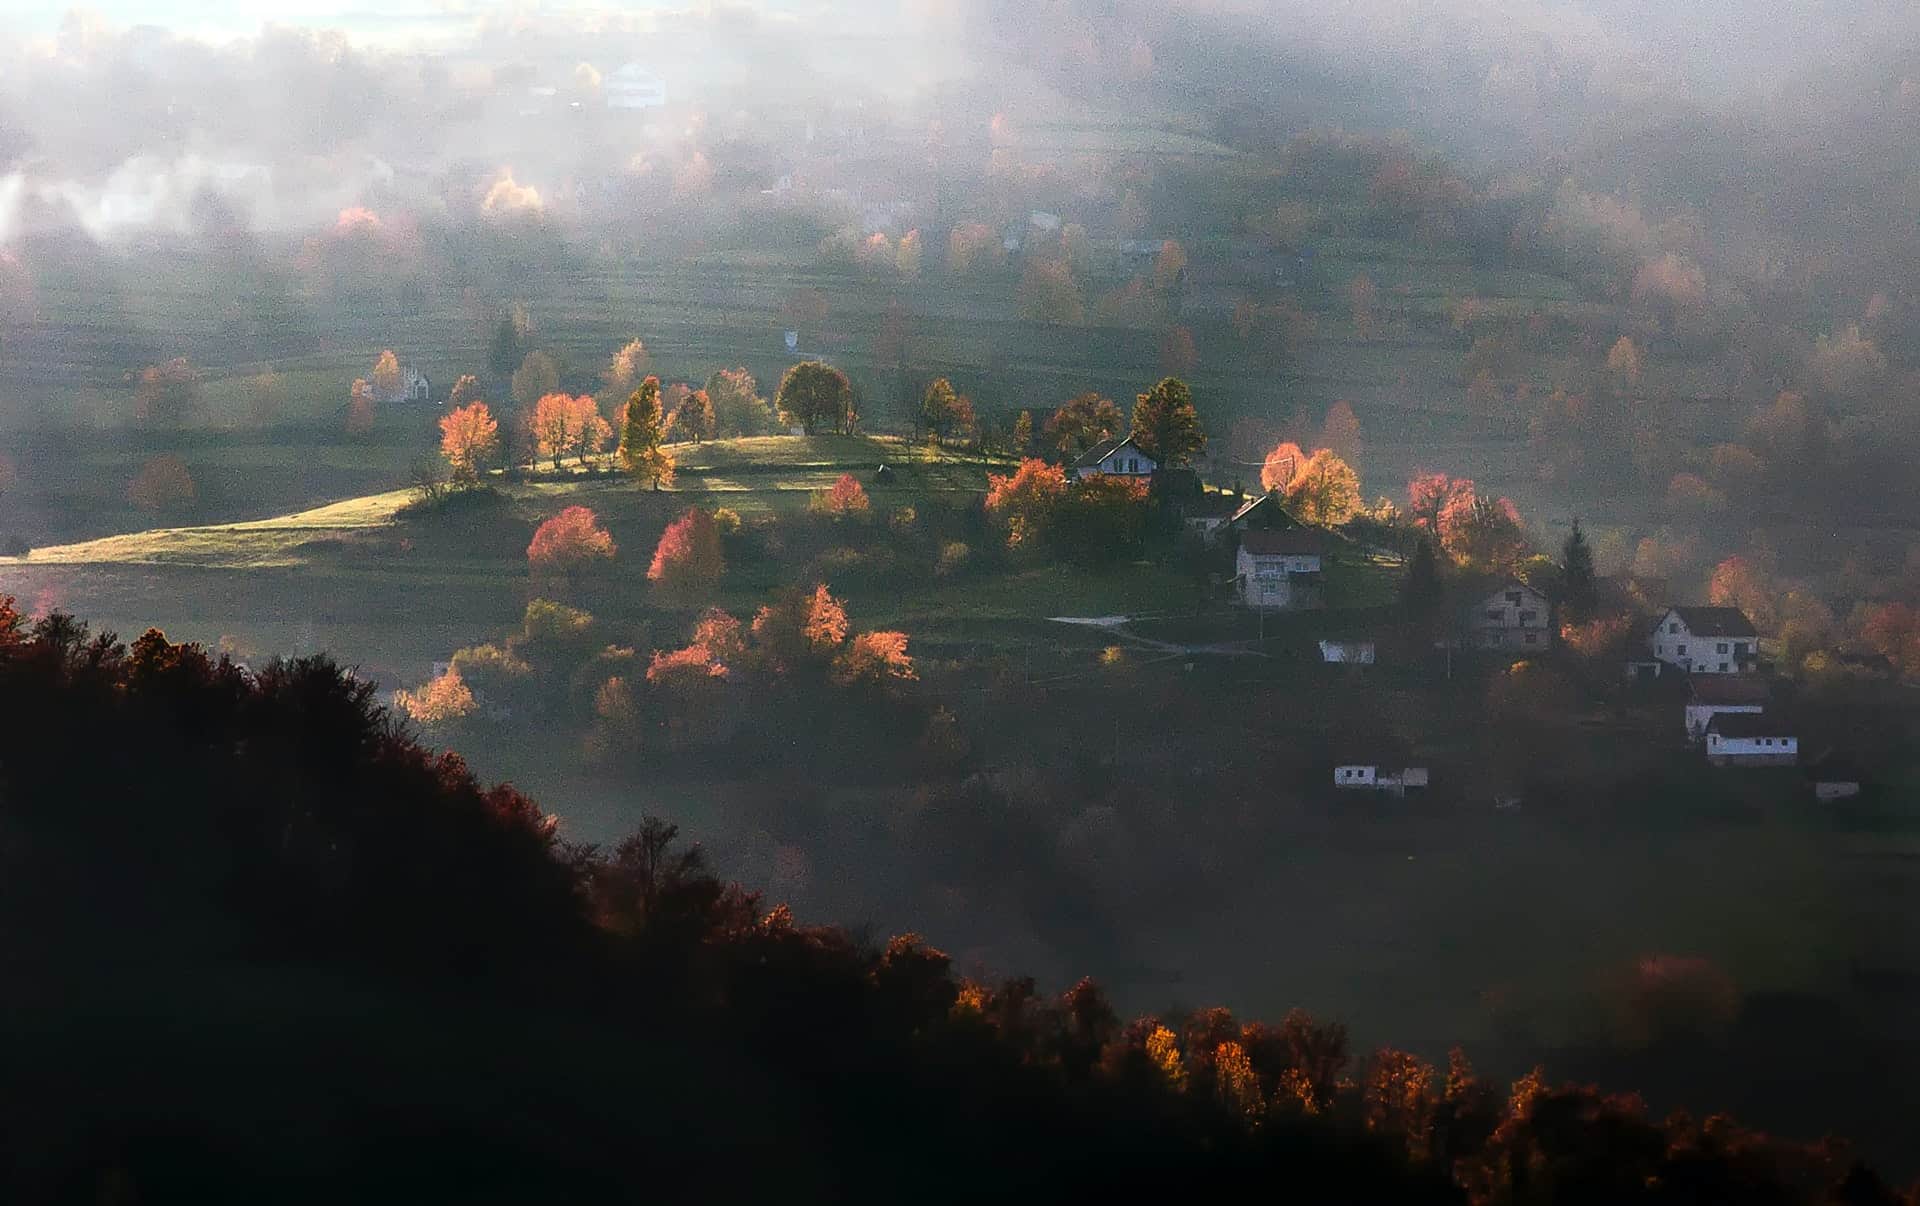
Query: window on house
x=1721, y=647
x=1513, y=596
x=1674, y=627
x=1495, y=614
x=1681, y=650
x=1723, y=667
x=1526, y=617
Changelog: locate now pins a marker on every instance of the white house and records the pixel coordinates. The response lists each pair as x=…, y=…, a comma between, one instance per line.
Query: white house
x=1751, y=741
x=634, y=87
x=1516, y=616
x=1115, y=458
x=1718, y=696
x=1706, y=640
x=1363, y=777
x=1280, y=569
x=1347, y=651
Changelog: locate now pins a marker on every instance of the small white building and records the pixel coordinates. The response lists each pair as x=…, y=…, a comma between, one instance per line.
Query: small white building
x=1364, y=777
x=1738, y=740
x=413, y=387
x=1115, y=458
x=1706, y=640
x=1280, y=570
x=1516, y=616
x=1708, y=697
x=1347, y=651
x=634, y=87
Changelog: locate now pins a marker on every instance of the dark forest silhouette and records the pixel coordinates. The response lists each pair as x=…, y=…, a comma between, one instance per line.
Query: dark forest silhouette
x=261, y=944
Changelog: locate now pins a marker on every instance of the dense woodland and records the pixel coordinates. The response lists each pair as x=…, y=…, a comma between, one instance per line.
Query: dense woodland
x=313, y=959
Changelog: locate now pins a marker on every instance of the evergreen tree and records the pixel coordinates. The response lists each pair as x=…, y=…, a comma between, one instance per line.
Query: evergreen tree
x=1579, y=595
x=1420, y=589
x=1165, y=425
x=641, y=434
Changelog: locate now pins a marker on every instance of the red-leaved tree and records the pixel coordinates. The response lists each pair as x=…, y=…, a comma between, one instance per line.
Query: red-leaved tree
x=688, y=559
x=571, y=540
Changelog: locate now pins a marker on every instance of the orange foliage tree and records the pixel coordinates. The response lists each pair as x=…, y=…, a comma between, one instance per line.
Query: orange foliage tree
x=386, y=374
x=1483, y=532
x=845, y=499
x=566, y=426
x=166, y=392
x=806, y=626
x=1026, y=499
x=360, y=407
x=1281, y=464
x=1325, y=490
x=692, y=418
x=469, y=438
x=442, y=701
x=874, y=659
x=1169, y=265
x=1739, y=582
x=688, y=558
x=571, y=540
x=1430, y=494
x=162, y=484
x=1082, y=422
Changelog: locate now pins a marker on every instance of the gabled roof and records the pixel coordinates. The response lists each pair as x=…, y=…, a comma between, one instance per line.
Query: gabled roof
x=1276, y=512
x=1740, y=725
x=1284, y=542
x=1481, y=599
x=1714, y=621
x=1728, y=690
x=1101, y=451
x=1209, y=505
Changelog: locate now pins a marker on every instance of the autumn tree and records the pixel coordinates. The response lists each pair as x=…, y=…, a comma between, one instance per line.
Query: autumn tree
x=469, y=439
x=1099, y=518
x=845, y=499
x=943, y=411
x=815, y=394
x=1623, y=363
x=908, y=255
x=360, y=407
x=572, y=540
x=166, y=393
x=972, y=246
x=536, y=377
x=466, y=390
x=688, y=560
x=266, y=395
x=1325, y=491
x=1739, y=581
x=1048, y=294
x=1283, y=462
x=641, y=436
x=553, y=425
x=1026, y=499
x=1341, y=431
x=1170, y=266
x=443, y=701
x=162, y=484
x=738, y=408
x=803, y=627
x=1165, y=424
x=626, y=369
x=386, y=375
x=1483, y=532
x=874, y=659
x=693, y=419
x=1429, y=495
x=1082, y=422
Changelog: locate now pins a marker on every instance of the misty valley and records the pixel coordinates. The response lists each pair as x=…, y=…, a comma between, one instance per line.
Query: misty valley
x=823, y=603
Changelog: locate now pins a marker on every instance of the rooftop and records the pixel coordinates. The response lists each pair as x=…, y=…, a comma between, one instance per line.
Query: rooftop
x=1100, y=452
x=1728, y=690
x=1716, y=621
x=1737, y=725
x=1284, y=542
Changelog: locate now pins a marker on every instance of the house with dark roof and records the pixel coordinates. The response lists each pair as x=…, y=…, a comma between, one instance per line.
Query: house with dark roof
x=1512, y=616
x=1260, y=511
x=1742, y=740
x=1280, y=568
x=1115, y=458
x=1714, y=695
x=1706, y=640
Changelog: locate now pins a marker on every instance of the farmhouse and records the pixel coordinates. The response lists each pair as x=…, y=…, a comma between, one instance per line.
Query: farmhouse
x=1705, y=640
x=413, y=387
x=1737, y=740
x=1115, y=458
x=1280, y=569
x=1361, y=776
x=1717, y=696
x=1260, y=511
x=1206, y=515
x=1516, y=616
x=1349, y=651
